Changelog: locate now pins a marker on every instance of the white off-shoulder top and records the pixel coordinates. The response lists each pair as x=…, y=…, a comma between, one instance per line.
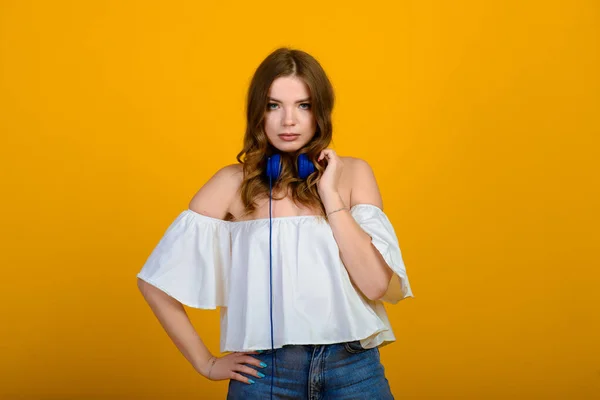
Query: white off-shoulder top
x=207, y=263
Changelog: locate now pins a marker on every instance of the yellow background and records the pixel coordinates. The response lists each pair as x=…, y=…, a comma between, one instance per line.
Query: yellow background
x=480, y=120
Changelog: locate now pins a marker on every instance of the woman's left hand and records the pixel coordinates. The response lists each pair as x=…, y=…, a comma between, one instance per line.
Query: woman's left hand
x=329, y=183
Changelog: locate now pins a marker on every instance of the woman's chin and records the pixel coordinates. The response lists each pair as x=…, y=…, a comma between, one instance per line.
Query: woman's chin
x=288, y=147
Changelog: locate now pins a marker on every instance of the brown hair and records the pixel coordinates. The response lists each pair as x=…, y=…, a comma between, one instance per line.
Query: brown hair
x=284, y=62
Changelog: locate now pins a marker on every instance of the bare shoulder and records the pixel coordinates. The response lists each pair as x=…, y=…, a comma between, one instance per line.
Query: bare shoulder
x=216, y=196
x=356, y=169
x=355, y=163
x=364, y=188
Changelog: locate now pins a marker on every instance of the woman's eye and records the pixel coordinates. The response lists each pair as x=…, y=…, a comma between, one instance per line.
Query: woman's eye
x=272, y=106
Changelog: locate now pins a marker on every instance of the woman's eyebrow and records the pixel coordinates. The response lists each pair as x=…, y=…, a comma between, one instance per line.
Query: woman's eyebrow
x=279, y=101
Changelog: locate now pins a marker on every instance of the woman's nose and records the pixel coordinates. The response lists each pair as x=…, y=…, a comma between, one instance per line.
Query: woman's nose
x=289, y=118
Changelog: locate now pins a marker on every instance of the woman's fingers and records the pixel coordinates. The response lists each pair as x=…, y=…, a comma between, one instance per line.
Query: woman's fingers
x=239, y=366
x=250, y=371
x=329, y=153
x=240, y=377
x=252, y=361
x=255, y=362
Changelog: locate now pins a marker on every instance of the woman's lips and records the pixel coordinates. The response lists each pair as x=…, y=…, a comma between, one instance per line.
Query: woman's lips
x=288, y=137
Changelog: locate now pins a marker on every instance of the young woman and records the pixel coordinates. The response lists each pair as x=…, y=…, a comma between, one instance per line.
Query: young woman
x=293, y=246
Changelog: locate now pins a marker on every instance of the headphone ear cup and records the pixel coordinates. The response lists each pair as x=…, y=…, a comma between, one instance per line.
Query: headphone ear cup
x=274, y=166
x=305, y=166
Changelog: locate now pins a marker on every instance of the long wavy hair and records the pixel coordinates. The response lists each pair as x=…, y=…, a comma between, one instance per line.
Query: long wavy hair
x=257, y=148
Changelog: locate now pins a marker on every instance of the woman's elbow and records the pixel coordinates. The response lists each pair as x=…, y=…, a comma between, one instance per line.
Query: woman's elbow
x=376, y=291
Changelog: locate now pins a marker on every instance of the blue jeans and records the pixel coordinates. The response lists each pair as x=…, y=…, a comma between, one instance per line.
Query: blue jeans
x=317, y=372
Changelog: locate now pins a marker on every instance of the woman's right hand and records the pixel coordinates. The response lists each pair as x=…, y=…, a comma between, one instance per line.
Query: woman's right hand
x=230, y=366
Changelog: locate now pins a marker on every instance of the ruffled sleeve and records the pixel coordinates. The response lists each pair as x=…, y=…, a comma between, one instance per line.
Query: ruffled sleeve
x=377, y=225
x=191, y=262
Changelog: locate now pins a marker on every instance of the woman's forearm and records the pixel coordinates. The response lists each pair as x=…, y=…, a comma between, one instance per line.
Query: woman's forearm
x=175, y=321
x=364, y=263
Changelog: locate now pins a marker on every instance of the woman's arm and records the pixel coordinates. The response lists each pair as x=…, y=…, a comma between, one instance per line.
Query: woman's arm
x=213, y=200
x=365, y=264
x=175, y=321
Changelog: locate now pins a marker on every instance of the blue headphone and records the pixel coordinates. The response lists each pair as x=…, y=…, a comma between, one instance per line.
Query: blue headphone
x=273, y=171
x=305, y=166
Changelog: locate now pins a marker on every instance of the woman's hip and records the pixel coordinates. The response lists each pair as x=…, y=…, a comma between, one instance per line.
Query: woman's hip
x=335, y=371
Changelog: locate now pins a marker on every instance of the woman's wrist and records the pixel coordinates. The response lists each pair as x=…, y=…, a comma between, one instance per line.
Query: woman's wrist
x=206, y=368
x=337, y=210
x=332, y=201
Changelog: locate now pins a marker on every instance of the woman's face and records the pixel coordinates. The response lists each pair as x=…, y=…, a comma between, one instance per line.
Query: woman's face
x=289, y=120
